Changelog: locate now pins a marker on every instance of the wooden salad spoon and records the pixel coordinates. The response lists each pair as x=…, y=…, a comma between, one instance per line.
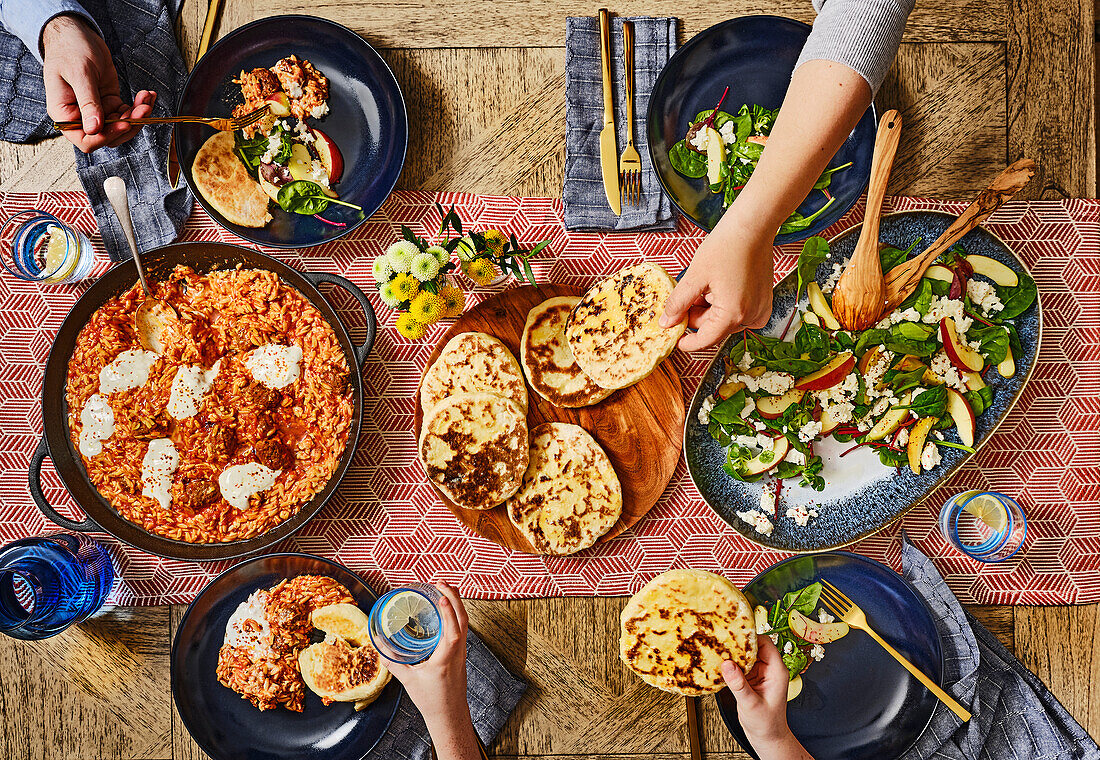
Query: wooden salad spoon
x=858, y=298
x=904, y=278
x=153, y=315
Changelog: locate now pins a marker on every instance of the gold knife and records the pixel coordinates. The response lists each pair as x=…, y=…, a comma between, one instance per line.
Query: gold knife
x=609, y=152
x=212, y=11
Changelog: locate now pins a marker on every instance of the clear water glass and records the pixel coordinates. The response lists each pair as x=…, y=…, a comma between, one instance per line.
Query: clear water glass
x=985, y=525
x=51, y=582
x=39, y=247
x=405, y=625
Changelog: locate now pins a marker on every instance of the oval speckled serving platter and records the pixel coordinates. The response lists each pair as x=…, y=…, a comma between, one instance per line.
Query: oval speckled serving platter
x=861, y=495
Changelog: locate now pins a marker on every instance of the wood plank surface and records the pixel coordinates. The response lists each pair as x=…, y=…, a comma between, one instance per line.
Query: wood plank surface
x=980, y=82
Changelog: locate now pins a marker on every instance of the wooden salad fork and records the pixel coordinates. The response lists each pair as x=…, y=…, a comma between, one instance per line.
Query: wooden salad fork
x=904, y=278
x=857, y=300
x=836, y=603
x=630, y=163
x=219, y=123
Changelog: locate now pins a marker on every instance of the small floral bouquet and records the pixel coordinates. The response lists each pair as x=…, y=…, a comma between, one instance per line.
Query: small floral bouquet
x=414, y=274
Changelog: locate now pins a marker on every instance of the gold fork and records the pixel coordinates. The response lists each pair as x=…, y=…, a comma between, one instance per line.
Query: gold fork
x=219, y=123
x=834, y=600
x=630, y=163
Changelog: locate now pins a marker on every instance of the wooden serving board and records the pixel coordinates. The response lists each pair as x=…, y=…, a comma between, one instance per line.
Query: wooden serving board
x=641, y=427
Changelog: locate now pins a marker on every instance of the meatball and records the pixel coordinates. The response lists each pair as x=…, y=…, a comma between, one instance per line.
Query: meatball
x=193, y=494
x=258, y=84
x=333, y=382
x=272, y=454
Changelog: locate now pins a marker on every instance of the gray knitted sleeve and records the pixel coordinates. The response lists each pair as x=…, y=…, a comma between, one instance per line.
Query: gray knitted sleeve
x=861, y=34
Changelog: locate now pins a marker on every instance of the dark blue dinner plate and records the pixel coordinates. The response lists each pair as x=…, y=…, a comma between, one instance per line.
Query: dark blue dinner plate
x=226, y=725
x=367, y=118
x=857, y=703
x=755, y=57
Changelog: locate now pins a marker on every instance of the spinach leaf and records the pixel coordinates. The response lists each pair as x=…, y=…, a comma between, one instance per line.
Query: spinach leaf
x=980, y=399
x=763, y=119
x=686, y=161
x=804, y=600
x=924, y=297
x=796, y=222
x=912, y=330
x=994, y=341
x=737, y=351
x=729, y=411
x=796, y=660
x=304, y=197
x=796, y=367
x=889, y=256
x=903, y=381
x=812, y=341
x=1014, y=340
x=891, y=457
x=1017, y=299
x=931, y=403
x=911, y=338
x=749, y=151
x=814, y=251
x=826, y=177
x=873, y=337
x=843, y=341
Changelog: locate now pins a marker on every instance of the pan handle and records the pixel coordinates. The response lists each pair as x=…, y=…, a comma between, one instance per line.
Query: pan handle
x=363, y=348
x=39, y=496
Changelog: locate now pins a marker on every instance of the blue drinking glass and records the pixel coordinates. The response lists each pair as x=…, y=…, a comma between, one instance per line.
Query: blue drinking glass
x=49, y=583
x=404, y=625
x=37, y=246
x=984, y=525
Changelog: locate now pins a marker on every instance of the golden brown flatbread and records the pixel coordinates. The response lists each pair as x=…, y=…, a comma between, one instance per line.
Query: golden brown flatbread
x=226, y=185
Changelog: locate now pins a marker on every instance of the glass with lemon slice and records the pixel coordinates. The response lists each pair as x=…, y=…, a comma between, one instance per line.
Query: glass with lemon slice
x=405, y=625
x=40, y=247
x=985, y=525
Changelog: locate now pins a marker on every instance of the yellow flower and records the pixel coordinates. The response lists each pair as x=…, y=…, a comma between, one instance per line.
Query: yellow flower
x=405, y=286
x=409, y=327
x=495, y=240
x=481, y=271
x=453, y=301
x=426, y=308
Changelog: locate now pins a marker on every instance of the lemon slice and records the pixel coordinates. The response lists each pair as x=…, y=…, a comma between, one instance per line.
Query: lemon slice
x=57, y=250
x=989, y=510
x=405, y=610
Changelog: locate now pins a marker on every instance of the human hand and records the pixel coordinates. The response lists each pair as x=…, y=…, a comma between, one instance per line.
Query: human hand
x=437, y=686
x=82, y=84
x=761, y=696
x=728, y=286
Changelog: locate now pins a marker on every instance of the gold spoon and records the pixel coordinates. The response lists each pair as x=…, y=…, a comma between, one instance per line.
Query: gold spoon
x=153, y=315
x=858, y=298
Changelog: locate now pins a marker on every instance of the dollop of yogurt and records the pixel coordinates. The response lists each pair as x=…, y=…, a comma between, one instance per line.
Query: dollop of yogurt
x=274, y=365
x=130, y=369
x=239, y=482
x=97, y=424
x=161, y=460
x=237, y=634
x=189, y=386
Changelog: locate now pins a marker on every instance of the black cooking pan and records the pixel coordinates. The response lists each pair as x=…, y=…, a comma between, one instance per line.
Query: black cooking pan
x=56, y=443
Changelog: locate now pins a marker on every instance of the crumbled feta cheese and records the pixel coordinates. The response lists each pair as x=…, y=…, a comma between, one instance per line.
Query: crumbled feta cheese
x=801, y=514
x=876, y=372
x=824, y=617
x=293, y=89
x=764, y=441
x=774, y=637
x=762, y=627
x=746, y=362
x=729, y=134
x=704, y=410
x=794, y=456
x=319, y=111
x=880, y=407
x=942, y=307
x=750, y=406
x=758, y=520
x=318, y=173
x=841, y=412
x=834, y=277
x=903, y=437
x=909, y=315
x=943, y=368
x=930, y=457
x=916, y=392
x=748, y=441
x=699, y=141
x=863, y=424
x=938, y=435
x=809, y=431
x=817, y=652
x=984, y=296
x=772, y=383
x=767, y=501
x=788, y=647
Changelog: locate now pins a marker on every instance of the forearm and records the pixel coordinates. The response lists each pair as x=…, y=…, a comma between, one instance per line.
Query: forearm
x=453, y=736
x=27, y=19
x=823, y=104
x=786, y=749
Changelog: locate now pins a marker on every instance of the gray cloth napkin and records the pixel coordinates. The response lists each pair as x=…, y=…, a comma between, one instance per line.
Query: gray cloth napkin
x=583, y=195
x=143, y=45
x=1014, y=715
x=491, y=690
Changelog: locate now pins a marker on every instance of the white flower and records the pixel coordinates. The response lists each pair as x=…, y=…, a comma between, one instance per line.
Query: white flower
x=400, y=255
x=466, y=250
x=442, y=255
x=424, y=267
x=382, y=270
x=388, y=296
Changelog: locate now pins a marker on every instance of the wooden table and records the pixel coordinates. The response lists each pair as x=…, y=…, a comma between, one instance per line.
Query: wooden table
x=979, y=82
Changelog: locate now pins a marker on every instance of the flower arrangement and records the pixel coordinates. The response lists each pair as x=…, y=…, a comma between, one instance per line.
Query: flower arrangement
x=414, y=274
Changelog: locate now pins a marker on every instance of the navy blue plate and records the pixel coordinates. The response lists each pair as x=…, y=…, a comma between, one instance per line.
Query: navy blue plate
x=863, y=496
x=367, y=119
x=755, y=57
x=226, y=725
x=858, y=703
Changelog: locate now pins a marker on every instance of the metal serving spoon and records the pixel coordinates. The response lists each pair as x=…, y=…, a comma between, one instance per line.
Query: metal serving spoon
x=153, y=315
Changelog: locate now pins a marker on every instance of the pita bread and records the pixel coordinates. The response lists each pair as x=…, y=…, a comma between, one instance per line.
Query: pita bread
x=473, y=362
x=226, y=185
x=548, y=362
x=335, y=670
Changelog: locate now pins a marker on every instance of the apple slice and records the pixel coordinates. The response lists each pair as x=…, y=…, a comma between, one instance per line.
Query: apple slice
x=731, y=386
x=772, y=407
x=716, y=155
x=760, y=617
x=821, y=306
x=908, y=363
x=890, y=421
x=794, y=688
x=918, y=435
x=831, y=374
x=994, y=270
x=1007, y=367
x=811, y=318
x=973, y=380
x=959, y=409
x=870, y=359
x=331, y=157
x=961, y=355
x=278, y=104
x=756, y=465
x=828, y=422
x=937, y=272
x=815, y=632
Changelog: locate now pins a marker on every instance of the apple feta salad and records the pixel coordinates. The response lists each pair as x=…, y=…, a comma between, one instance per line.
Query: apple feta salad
x=799, y=637
x=897, y=387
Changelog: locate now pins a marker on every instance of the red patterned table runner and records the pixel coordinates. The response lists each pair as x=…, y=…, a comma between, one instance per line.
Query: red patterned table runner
x=385, y=521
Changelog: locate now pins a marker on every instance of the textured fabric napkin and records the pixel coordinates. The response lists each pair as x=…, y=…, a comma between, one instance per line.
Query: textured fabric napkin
x=492, y=692
x=583, y=195
x=1014, y=715
x=143, y=44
